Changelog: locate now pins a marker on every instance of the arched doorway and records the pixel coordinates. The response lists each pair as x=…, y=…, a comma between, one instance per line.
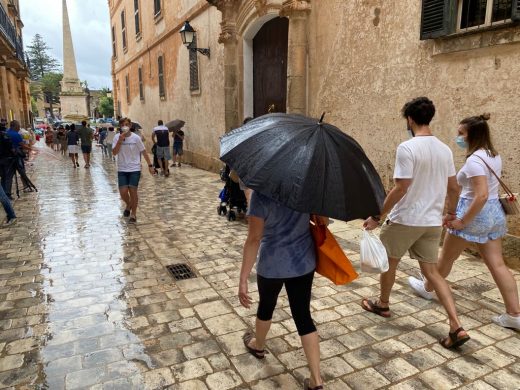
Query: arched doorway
x=270, y=67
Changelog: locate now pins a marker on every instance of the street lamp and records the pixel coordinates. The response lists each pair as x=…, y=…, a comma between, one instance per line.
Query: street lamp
x=188, y=34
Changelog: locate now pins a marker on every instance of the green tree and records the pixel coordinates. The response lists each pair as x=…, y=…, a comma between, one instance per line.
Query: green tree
x=106, y=106
x=40, y=62
x=51, y=87
x=34, y=107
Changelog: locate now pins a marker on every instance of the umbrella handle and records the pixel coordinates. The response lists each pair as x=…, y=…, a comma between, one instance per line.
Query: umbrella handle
x=321, y=119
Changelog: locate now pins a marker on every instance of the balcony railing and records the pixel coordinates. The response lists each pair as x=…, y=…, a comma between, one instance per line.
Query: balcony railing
x=8, y=30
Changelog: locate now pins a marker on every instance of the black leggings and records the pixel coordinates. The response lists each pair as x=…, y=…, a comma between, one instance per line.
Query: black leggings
x=299, y=294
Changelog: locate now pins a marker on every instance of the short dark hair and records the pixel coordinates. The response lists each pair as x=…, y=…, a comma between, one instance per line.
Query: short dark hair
x=84, y=123
x=73, y=127
x=160, y=122
x=14, y=124
x=420, y=109
x=67, y=127
x=247, y=119
x=479, y=135
x=111, y=128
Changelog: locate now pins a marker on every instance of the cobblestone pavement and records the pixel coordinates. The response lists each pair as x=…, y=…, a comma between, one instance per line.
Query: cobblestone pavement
x=87, y=301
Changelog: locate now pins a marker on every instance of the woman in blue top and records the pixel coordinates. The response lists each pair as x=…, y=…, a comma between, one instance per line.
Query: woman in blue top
x=287, y=257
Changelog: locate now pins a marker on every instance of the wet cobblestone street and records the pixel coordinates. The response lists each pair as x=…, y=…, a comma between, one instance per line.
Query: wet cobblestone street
x=87, y=302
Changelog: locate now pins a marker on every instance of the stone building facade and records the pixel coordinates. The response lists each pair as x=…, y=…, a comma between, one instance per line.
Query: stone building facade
x=15, y=101
x=358, y=61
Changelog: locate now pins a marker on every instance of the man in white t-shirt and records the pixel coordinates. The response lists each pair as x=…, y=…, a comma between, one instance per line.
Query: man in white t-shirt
x=424, y=173
x=128, y=148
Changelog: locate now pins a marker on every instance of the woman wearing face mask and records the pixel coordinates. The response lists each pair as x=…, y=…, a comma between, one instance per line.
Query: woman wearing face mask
x=479, y=217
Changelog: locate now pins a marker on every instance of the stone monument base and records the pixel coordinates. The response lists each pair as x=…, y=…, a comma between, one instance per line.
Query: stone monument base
x=74, y=105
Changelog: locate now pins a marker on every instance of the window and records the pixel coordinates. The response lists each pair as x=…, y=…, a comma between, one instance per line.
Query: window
x=156, y=7
x=136, y=17
x=140, y=77
x=160, y=71
x=194, y=67
x=114, y=48
x=123, y=28
x=127, y=87
x=482, y=13
x=443, y=17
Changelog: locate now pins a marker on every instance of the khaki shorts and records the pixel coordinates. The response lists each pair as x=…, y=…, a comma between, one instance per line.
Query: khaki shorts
x=422, y=243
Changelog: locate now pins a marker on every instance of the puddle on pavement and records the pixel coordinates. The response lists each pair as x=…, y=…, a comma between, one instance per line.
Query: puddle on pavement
x=83, y=244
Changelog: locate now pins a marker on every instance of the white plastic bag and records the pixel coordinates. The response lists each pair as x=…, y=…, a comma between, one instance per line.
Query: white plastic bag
x=373, y=254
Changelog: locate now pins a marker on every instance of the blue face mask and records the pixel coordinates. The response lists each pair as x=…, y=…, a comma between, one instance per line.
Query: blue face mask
x=461, y=142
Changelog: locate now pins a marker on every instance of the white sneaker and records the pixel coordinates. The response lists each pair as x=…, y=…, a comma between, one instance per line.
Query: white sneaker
x=417, y=285
x=507, y=321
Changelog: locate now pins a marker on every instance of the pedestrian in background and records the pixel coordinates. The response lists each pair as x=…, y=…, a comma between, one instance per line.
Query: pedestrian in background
x=479, y=218
x=86, y=135
x=62, y=137
x=55, y=140
x=72, y=145
x=109, y=140
x=286, y=256
x=161, y=137
x=424, y=174
x=102, y=139
x=178, y=143
x=128, y=147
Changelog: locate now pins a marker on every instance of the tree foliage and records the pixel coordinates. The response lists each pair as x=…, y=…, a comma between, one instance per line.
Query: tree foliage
x=40, y=62
x=106, y=106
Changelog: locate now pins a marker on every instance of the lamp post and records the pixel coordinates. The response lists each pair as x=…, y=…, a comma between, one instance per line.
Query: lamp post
x=187, y=34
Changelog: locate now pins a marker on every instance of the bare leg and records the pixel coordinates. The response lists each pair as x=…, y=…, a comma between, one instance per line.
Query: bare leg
x=261, y=330
x=125, y=196
x=452, y=247
x=311, y=347
x=443, y=291
x=134, y=200
x=387, y=280
x=72, y=158
x=491, y=252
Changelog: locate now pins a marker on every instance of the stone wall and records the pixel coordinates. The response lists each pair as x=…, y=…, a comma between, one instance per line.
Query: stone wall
x=202, y=110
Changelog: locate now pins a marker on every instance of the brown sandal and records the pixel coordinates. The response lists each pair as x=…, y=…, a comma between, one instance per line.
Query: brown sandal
x=373, y=307
x=456, y=341
x=247, y=337
x=307, y=385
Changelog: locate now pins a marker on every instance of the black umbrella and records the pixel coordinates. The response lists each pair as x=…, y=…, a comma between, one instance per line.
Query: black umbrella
x=136, y=126
x=306, y=165
x=175, y=124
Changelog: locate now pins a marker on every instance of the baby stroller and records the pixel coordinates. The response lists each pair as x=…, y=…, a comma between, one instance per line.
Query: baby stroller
x=232, y=198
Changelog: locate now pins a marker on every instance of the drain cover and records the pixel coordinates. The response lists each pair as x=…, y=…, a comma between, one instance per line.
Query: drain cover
x=181, y=271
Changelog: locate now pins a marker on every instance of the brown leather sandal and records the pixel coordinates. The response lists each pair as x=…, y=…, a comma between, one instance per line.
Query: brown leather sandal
x=456, y=341
x=307, y=385
x=373, y=307
x=257, y=353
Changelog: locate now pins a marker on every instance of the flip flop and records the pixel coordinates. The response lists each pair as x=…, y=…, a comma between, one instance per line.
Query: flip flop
x=373, y=307
x=247, y=337
x=456, y=341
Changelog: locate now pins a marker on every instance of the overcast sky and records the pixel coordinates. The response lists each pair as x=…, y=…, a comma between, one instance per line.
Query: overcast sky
x=90, y=26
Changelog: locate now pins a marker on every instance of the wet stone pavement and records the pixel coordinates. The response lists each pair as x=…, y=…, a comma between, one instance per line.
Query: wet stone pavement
x=86, y=301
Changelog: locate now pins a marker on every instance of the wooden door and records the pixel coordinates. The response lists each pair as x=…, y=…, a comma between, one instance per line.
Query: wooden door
x=270, y=67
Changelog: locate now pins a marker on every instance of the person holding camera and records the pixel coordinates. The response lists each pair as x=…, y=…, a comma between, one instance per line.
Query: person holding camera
x=6, y=157
x=128, y=147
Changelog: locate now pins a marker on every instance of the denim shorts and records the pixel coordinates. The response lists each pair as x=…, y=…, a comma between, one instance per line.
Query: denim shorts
x=128, y=179
x=489, y=224
x=86, y=148
x=177, y=149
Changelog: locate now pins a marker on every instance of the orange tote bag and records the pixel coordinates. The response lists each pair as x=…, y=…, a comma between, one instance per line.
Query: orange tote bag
x=331, y=261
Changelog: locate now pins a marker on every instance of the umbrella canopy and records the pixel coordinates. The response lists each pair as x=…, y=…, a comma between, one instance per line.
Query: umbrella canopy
x=136, y=126
x=41, y=126
x=305, y=164
x=175, y=124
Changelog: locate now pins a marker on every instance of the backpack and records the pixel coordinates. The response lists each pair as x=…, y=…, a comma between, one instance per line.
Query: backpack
x=6, y=146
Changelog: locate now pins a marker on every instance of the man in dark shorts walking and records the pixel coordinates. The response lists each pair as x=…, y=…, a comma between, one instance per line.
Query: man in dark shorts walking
x=161, y=137
x=86, y=134
x=178, y=142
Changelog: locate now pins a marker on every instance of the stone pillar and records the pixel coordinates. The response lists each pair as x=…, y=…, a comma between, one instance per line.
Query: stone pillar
x=3, y=91
x=229, y=9
x=297, y=11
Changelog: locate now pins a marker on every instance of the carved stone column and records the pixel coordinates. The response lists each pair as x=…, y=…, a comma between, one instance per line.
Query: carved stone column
x=297, y=11
x=229, y=9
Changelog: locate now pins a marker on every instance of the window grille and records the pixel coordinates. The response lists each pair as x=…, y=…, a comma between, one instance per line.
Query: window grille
x=136, y=18
x=160, y=71
x=194, y=66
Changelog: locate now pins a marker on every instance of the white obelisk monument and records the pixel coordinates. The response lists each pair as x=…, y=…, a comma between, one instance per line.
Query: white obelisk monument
x=72, y=98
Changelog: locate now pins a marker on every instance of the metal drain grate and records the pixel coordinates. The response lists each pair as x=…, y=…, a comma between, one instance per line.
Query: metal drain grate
x=181, y=271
